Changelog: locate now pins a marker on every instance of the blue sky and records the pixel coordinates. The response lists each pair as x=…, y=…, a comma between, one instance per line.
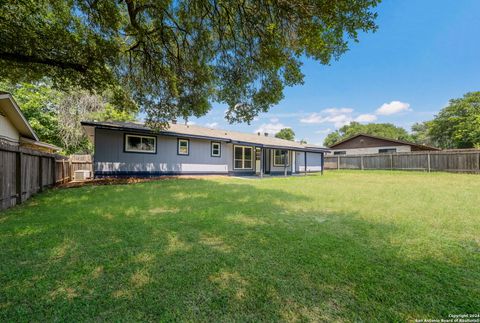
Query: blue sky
x=423, y=54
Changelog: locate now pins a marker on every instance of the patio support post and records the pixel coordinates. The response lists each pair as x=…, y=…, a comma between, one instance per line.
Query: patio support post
x=323, y=162
x=261, y=162
x=285, y=152
x=305, y=154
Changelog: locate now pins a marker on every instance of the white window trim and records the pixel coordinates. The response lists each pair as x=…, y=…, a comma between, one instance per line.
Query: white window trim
x=219, y=149
x=129, y=150
x=243, y=157
x=188, y=147
x=281, y=165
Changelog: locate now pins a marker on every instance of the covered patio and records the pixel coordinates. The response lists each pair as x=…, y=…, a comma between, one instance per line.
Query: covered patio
x=283, y=161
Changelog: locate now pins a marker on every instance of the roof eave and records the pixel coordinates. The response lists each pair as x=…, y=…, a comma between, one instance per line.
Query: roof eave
x=424, y=147
x=176, y=134
x=149, y=131
x=39, y=143
x=16, y=108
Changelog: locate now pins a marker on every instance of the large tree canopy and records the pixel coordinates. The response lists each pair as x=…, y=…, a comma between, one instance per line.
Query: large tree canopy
x=458, y=124
x=386, y=130
x=175, y=57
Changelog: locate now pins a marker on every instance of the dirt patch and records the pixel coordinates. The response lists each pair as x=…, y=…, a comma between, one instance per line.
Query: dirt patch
x=131, y=180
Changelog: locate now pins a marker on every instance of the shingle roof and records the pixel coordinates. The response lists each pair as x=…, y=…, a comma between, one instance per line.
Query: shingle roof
x=423, y=147
x=194, y=131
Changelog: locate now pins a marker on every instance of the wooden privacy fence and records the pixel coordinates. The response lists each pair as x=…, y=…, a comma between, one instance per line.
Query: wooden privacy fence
x=462, y=161
x=65, y=168
x=24, y=172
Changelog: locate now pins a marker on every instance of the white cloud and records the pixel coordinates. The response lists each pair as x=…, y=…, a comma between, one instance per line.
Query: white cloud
x=366, y=118
x=313, y=118
x=271, y=128
x=324, y=131
x=336, y=111
x=274, y=120
x=191, y=123
x=211, y=125
x=338, y=117
x=392, y=108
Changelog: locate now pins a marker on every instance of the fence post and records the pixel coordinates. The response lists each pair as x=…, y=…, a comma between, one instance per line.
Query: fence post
x=478, y=161
x=70, y=170
x=18, y=173
x=361, y=162
x=54, y=171
x=63, y=171
x=429, y=164
x=40, y=173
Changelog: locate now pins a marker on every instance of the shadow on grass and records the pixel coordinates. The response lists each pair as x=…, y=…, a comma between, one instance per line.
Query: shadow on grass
x=209, y=250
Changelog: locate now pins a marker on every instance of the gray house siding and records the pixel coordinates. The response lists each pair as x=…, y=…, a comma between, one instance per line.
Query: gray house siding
x=314, y=162
x=111, y=159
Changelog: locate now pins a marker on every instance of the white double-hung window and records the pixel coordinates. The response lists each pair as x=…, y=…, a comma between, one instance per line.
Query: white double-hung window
x=183, y=147
x=242, y=157
x=216, y=149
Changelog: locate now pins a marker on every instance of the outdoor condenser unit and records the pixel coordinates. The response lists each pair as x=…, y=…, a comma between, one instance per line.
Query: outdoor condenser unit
x=81, y=175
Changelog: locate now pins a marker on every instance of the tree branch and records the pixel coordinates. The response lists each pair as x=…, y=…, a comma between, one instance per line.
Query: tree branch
x=21, y=58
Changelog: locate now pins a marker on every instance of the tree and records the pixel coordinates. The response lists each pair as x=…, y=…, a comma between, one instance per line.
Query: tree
x=286, y=133
x=386, y=130
x=421, y=134
x=173, y=58
x=458, y=124
x=55, y=116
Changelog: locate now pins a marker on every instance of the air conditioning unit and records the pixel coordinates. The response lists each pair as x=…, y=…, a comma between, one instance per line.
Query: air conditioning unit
x=81, y=175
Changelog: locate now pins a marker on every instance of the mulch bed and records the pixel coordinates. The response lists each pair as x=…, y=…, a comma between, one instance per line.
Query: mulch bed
x=129, y=180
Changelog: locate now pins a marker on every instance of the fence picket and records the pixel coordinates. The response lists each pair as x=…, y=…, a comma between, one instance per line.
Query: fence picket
x=24, y=172
x=467, y=160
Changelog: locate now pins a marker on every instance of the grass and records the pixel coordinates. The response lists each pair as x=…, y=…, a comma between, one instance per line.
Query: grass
x=348, y=246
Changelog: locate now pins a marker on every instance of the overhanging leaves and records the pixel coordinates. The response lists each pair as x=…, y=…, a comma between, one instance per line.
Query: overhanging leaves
x=175, y=57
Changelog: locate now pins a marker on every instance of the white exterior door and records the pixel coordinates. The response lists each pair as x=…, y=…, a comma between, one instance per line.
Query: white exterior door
x=258, y=151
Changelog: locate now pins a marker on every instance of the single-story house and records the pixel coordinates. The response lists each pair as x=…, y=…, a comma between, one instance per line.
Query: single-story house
x=15, y=129
x=363, y=144
x=133, y=149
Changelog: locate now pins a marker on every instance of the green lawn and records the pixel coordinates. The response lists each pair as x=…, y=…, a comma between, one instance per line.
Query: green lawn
x=346, y=246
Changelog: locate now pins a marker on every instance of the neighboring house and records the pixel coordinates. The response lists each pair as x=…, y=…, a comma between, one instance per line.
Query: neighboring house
x=132, y=149
x=363, y=144
x=15, y=129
